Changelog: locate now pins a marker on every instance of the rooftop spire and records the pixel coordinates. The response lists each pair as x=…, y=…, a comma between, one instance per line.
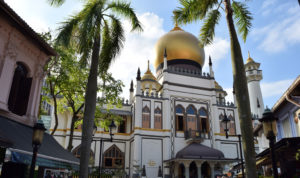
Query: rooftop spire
x=131, y=86
x=210, y=63
x=148, y=69
x=138, y=77
x=248, y=54
x=165, y=53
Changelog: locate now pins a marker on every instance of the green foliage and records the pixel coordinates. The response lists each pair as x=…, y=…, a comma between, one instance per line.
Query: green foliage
x=97, y=17
x=208, y=29
x=243, y=18
x=209, y=10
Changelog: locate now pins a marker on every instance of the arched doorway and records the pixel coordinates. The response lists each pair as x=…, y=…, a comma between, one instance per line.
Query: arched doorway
x=181, y=171
x=193, y=170
x=205, y=170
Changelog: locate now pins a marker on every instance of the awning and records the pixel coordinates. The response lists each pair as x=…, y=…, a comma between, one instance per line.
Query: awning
x=50, y=153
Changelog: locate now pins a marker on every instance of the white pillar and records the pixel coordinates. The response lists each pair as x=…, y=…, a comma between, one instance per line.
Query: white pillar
x=199, y=164
x=187, y=169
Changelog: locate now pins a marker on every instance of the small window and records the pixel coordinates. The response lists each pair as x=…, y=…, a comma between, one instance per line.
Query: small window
x=122, y=126
x=146, y=117
x=157, y=118
x=180, y=123
x=76, y=152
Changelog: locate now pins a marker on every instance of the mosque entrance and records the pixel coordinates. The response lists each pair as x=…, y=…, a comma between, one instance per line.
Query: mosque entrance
x=193, y=170
x=205, y=170
x=181, y=171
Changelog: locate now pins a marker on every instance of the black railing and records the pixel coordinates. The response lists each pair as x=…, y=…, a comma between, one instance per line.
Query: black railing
x=196, y=134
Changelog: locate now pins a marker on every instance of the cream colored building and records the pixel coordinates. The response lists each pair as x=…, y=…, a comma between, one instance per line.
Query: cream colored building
x=172, y=120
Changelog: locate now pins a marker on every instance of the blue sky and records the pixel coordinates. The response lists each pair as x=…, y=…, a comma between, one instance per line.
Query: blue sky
x=274, y=40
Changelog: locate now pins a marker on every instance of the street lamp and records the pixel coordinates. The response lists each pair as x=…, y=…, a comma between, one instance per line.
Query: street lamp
x=226, y=121
x=270, y=130
x=112, y=126
x=37, y=139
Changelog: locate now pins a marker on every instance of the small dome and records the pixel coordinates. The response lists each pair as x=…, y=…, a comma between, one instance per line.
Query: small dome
x=179, y=45
x=249, y=58
x=149, y=81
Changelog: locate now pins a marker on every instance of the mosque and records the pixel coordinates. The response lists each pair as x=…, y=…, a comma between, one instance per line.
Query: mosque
x=172, y=121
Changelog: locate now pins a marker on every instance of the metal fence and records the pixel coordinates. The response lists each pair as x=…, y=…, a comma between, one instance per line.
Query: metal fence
x=105, y=173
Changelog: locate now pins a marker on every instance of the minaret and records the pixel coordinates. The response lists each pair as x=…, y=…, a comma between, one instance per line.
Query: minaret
x=211, y=72
x=131, y=90
x=165, y=60
x=138, y=82
x=254, y=76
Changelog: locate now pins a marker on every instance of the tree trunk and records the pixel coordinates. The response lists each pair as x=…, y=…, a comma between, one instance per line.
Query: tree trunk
x=74, y=119
x=52, y=92
x=70, y=144
x=89, y=109
x=242, y=96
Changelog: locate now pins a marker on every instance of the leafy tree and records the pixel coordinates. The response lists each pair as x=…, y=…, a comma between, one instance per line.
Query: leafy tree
x=97, y=21
x=209, y=11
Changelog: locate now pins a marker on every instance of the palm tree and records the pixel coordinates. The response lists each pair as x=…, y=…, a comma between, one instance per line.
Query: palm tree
x=209, y=11
x=97, y=21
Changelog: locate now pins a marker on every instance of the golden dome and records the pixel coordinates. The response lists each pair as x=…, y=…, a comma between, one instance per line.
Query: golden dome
x=179, y=45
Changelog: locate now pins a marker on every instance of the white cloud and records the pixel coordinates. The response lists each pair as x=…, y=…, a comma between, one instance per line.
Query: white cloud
x=269, y=89
x=281, y=33
x=138, y=48
x=275, y=89
x=217, y=50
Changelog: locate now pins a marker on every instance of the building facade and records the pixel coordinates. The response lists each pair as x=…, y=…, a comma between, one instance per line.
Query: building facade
x=23, y=56
x=172, y=120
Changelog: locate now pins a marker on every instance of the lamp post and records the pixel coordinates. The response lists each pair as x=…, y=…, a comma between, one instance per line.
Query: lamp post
x=111, y=127
x=270, y=130
x=225, y=120
x=37, y=139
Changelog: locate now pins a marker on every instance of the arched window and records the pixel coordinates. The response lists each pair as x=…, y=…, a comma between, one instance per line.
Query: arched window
x=76, y=152
x=20, y=90
x=180, y=123
x=231, y=125
x=221, y=117
x=157, y=118
x=191, y=118
x=146, y=117
x=113, y=158
x=204, y=123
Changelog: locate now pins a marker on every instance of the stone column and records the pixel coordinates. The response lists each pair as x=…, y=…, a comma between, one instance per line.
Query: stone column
x=199, y=164
x=187, y=169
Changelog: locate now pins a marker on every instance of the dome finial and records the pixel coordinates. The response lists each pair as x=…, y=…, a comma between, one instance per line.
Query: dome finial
x=248, y=54
x=148, y=66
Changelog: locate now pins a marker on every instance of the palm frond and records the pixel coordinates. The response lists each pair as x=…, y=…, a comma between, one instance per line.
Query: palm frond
x=243, y=18
x=207, y=31
x=112, y=42
x=56, y=3
x=193, y=10
x=125, y=10
x=65, y=32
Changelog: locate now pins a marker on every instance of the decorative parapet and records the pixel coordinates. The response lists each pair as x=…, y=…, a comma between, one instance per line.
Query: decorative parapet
x=225, y=104
x=185, y=71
